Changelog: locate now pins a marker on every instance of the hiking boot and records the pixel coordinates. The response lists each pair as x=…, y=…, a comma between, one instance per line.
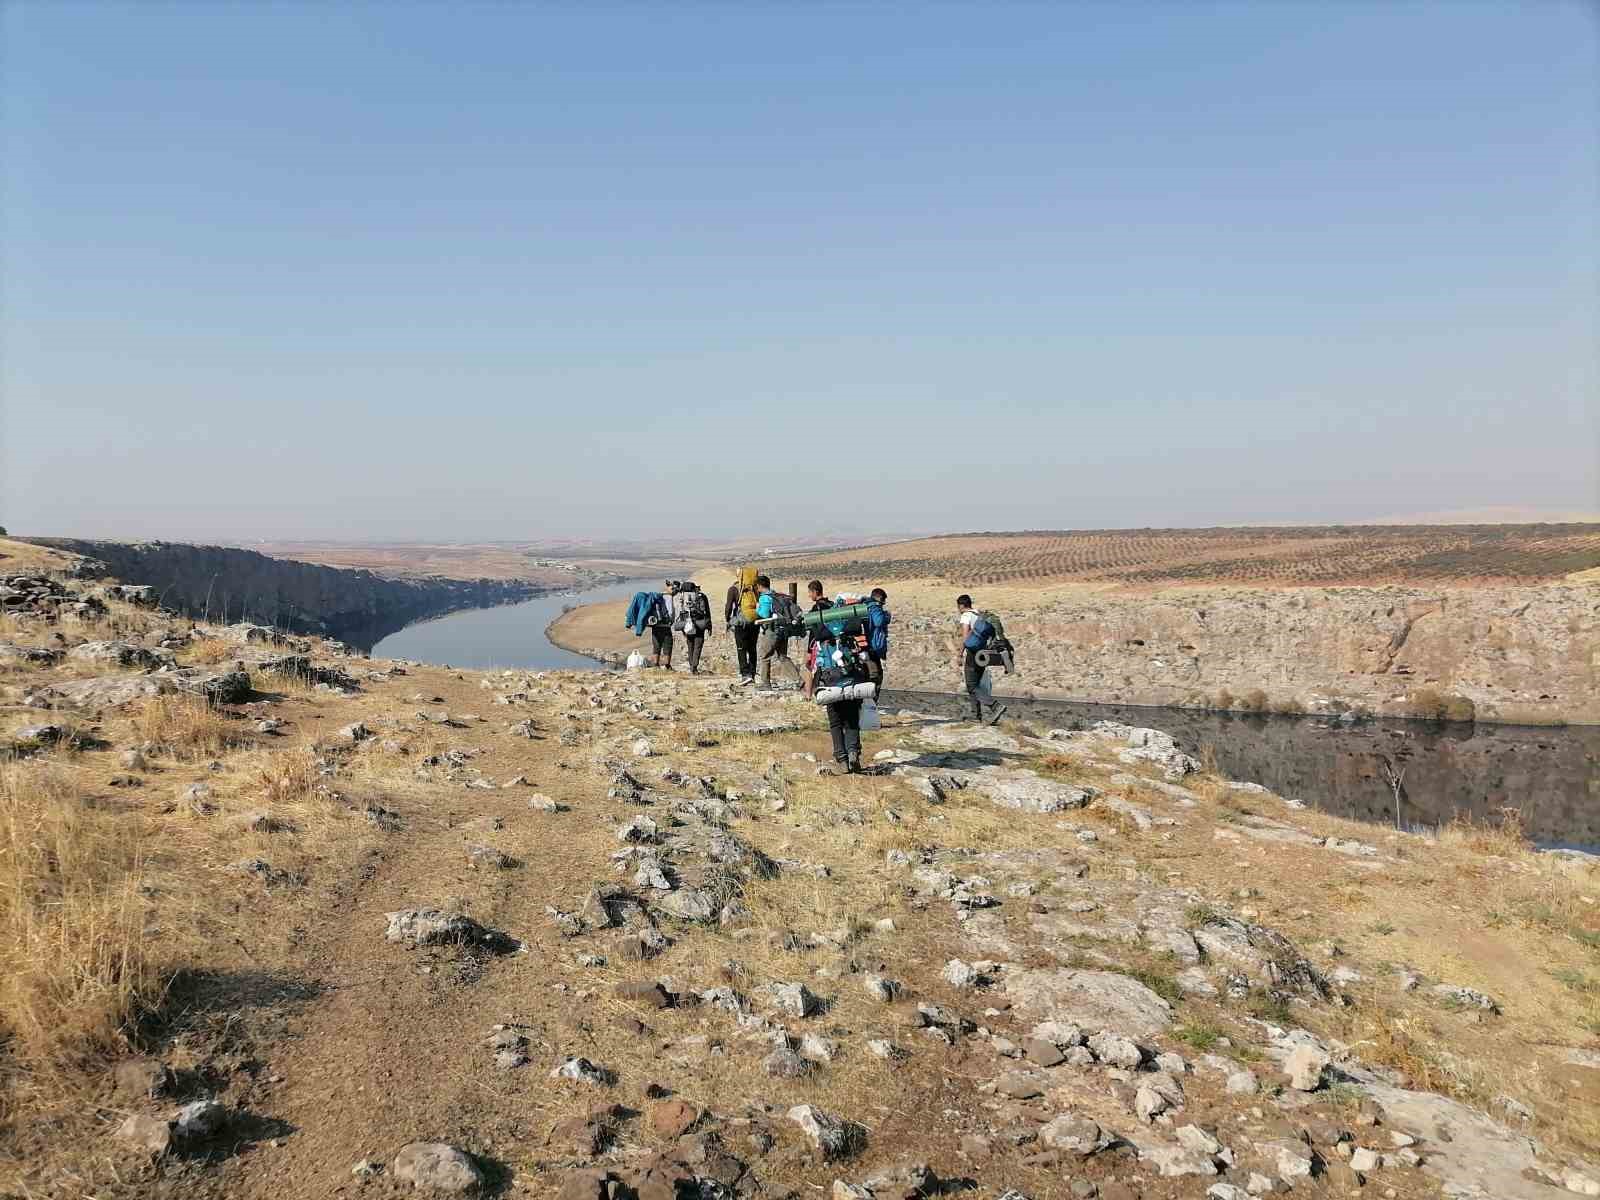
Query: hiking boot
x=746, y=680
x=994, y=717
x=853, y=764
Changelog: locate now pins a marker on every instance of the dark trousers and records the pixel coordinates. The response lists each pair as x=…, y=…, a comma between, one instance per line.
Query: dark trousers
x=875, y=674
x=971, y=673
x=844, y=724
x=695, y=642
x=661, y=638
x=744, y=646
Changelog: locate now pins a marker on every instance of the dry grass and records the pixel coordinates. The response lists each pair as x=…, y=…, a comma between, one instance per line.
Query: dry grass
x=73, y=958
x=185, y=727
x=1504, y=837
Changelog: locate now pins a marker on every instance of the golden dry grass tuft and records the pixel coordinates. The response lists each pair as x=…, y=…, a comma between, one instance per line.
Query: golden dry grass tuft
x=185, y=726
x=73, y=958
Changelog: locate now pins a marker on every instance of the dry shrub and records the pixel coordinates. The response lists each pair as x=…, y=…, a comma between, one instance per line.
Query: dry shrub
x=73, y=957
x=187, y=726
x=209, y=651
x=1504, y=837
x=1429, y=705
x=290, y=777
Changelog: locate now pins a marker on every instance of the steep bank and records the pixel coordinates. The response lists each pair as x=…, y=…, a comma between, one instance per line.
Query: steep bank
x=355, y=606
x=1509, y=654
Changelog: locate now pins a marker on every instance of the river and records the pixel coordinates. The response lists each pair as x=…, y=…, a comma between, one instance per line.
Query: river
x=508, y=636
x=1551, y=775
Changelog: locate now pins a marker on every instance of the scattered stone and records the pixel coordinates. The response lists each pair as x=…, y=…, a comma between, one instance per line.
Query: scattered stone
x=959, y=974
x=437, y=1166
x=489, y=857
x=833, y=1137
x=1072, y=1134
x=199, y=1119
x=1465, y=997
x=581, y=1070
x=432, y=927
x=672, y=1118
x=1305, y=1066
x=149, y=1134
x=784, y=1063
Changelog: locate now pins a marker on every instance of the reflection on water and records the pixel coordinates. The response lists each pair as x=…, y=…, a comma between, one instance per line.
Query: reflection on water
x=1551, y=775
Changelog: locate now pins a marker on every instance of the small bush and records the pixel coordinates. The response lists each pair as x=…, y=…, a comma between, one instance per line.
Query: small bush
x=1427, y=704
x=1201, y=1037
x=1254, y=700
x=1224, y=698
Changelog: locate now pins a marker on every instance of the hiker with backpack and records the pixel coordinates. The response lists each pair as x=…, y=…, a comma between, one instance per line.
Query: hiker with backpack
x=691, y=614
x=819, y=601
x=739, y=618
x=878, y=619
x=661, y=626
x=841, y=684
x=778, y=615
x=979, y=632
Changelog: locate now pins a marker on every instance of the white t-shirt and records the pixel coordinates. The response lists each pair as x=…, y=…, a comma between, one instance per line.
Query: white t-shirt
x=969, y=618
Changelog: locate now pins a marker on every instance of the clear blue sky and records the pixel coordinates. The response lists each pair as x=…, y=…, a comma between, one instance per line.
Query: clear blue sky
x=445, y=271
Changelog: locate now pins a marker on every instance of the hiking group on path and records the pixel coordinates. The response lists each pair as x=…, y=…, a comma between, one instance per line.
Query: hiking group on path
x=847, y=644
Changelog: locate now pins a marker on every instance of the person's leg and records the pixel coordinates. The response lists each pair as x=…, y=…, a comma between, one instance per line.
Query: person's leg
x=850, y=719
x=744, y=644
x=694, y=644
x=836, y=731
x=767, y=648
x=972, y=673
x=781, y=654
x=875, y=675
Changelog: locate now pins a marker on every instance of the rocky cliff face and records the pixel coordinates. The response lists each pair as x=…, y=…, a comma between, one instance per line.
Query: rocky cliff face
x=1503, y=654
x=358, y=607
x=1508, y=654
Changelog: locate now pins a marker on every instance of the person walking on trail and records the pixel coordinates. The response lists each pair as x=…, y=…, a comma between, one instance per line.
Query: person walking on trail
x=691, y=613
x=773, y=645
x=974, y=634
x=739, y=619
x=838, y=665
x=819, y=601
x=661, y=631
x=877, y=639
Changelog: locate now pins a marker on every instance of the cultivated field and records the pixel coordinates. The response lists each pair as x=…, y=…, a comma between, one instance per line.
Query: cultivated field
x=1311, y=555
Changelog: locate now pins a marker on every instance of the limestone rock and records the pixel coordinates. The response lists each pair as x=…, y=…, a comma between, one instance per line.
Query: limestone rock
x=437, y=1166
x=835, y=1138
x=1092, y=999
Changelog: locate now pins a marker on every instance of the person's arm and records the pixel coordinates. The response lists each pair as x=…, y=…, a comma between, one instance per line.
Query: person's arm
x=727, y=609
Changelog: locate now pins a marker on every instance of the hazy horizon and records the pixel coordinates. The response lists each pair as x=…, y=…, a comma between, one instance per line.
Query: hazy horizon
x=529, y=272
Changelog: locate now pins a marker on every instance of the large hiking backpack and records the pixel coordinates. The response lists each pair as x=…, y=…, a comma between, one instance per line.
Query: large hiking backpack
x=747, y=596
x=699, y=610
x=838, y=663
x=785, y=610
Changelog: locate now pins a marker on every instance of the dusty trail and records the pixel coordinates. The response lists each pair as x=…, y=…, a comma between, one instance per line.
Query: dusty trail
x=391, y=1048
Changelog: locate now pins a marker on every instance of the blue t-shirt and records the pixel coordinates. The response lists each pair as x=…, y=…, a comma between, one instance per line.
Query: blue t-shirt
x=764, y=606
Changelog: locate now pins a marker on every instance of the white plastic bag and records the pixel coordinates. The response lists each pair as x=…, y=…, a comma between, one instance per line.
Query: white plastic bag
x=986, y=686
x=869, y=715
x=635, y=661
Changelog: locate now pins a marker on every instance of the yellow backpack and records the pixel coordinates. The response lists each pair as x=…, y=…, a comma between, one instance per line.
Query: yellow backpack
x=747, y=594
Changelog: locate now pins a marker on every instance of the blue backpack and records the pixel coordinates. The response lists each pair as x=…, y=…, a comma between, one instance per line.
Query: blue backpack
x=878, y=619
x=980, y=635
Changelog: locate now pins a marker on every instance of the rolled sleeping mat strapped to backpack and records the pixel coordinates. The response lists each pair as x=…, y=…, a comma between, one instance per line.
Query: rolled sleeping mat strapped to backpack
x=852, y=616
x=995, y=657
x=848, y=691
